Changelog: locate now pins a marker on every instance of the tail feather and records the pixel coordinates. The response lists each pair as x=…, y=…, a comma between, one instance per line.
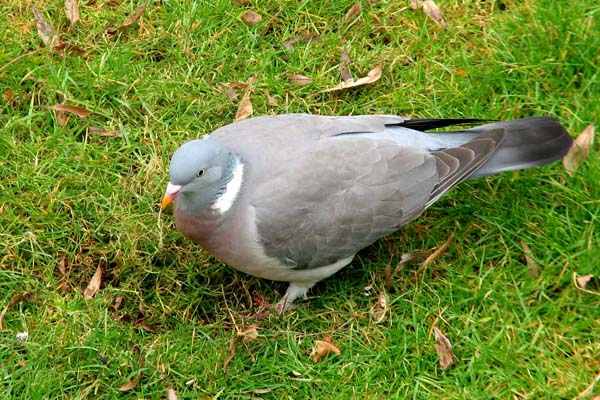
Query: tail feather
x=529, y=142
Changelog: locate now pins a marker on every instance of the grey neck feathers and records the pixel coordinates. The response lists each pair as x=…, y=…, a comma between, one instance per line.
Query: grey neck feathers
x=201, y=202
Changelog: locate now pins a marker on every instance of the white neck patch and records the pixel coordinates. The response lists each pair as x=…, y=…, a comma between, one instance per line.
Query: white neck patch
x=225, y=200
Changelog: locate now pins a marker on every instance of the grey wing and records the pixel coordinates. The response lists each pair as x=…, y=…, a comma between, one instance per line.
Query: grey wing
x=342, y=196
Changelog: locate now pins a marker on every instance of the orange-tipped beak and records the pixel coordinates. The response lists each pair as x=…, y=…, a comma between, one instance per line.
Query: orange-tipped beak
x=170, y=193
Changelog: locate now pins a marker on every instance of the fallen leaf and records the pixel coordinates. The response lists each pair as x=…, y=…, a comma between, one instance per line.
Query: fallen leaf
x=443, y=348
x=132, y=383
x=75, y=110
x=45, y=30
x=94, y=284
x=239, y=3
x=299, y=80
x=72, y=11
x=118, y=302
x=381, y=308
x=352, y=13
x=251, y=18
x=290, y=43
x=534, y=269
x=582, y=281
x=131, y=19
x=433, y=11
x=271, y=100
x=245, y=336
x=8, y=95
x=345, y=66
x=372, y=76
x=579, y=150
x=230, y=91
x=322, y=348
x=98, y=131
x=245, y=108
x=435, y=255
x=27, y=296
x=171, y=394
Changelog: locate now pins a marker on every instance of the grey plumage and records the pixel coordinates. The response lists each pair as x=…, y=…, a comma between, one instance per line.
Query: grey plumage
x=294, y=197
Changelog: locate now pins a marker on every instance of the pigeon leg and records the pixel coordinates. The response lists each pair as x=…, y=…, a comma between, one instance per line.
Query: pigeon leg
x=295, y=290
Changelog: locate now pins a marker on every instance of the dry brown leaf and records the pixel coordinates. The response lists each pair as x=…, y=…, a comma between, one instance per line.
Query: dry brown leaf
x=131, y=383
x=322, y=348
x=534, y=269
x=75, y=110
x=299, y=80
x=579, y=150
x=171, y=394
x=118, y=302
x=45, y=30
x=98, y=131
x=372, y=76
x=583, y=280
x=381, y=308
x=251, y=18
x=245, y=108
x=230, y=91
x=345, y=66
x=352, y=13
x=27, y=296
x=132, y=18
x=433, y=11
x=8, y=95
x=290, y=43
x=435, y=255
x=94, y=284
x=443, y=348
x=72, y=11
x=271, y=100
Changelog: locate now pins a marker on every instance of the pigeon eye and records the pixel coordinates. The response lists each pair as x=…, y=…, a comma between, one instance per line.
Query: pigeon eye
x=200, y=173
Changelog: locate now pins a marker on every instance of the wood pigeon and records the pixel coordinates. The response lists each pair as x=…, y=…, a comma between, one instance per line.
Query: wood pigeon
x=294, y=197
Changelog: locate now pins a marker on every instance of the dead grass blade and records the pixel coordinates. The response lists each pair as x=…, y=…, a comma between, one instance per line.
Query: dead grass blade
x=94, y=284
x=534, y=269
x=45, y=30
x=270, y=99
x=372, y=76
x=434, y=256
x=580, y=150
x=133, y=382
x=27, y=296
x=98, y=131
x=72, y=11
x=443, y=348
x=588, y=391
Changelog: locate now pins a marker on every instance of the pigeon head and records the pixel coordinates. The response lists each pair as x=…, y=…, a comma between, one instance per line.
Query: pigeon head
x=200, y=172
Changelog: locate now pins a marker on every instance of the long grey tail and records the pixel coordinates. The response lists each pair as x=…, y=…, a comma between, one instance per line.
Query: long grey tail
x=498, y=147
x=528, y=142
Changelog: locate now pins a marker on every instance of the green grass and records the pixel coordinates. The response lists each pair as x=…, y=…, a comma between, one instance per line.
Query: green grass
x=93, y=201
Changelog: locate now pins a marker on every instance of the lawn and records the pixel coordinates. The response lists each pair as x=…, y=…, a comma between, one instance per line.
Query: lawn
x=81, y=188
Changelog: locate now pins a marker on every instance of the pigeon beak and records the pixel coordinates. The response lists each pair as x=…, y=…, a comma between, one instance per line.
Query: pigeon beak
x=170, y=193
